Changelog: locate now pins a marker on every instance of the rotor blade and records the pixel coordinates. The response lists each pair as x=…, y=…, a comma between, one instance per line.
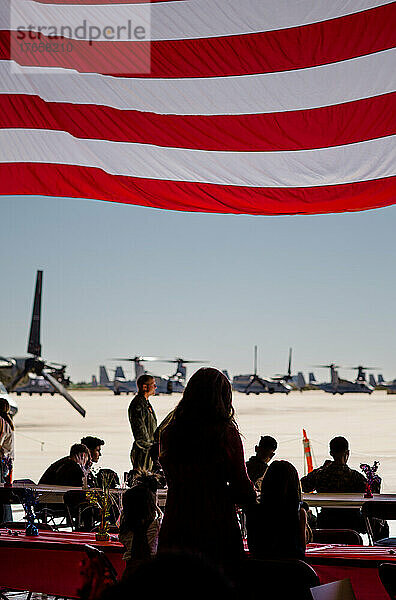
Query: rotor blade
x=61, y=390
x=185, y=362
x=140, y=358
x=34, y=345
x=195, y=361
x=365, y=368
x=290, y=359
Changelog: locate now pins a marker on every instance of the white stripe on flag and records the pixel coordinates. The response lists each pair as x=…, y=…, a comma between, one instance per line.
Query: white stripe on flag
x=363, y=161
x=184, y=20
x=326, y=85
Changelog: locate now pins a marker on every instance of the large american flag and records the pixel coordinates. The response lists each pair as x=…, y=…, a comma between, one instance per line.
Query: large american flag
x=244, y=106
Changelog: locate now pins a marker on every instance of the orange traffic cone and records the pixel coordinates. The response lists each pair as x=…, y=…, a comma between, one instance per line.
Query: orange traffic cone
x=307, y=452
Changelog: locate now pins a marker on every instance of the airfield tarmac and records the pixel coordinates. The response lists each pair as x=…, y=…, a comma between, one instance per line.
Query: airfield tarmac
x=46, y=427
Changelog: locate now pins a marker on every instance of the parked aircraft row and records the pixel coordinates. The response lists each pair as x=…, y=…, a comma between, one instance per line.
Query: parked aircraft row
x=32, y=374
x=165, y=385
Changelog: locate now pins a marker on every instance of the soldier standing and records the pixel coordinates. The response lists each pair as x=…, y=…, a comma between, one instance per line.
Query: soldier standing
x=143, y=423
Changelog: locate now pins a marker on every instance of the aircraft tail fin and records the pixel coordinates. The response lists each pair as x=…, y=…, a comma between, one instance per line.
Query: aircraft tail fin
x=119, y=373
x=103, y=376
x=34, y=345
x=372, y=380
x=300, y=380
x=381, y=378
x=312, y=378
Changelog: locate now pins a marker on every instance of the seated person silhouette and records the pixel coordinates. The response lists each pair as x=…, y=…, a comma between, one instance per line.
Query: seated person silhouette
x=140, y=519
x=277, y=526
x=94, y=445
x=334, y=476
x=257, y=464
x=69, y=470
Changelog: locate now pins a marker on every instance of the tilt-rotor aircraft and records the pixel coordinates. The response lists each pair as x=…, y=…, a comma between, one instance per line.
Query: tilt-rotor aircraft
x=336, y=385
x=253, y=384
x=15, y=371
x=165, y=385
x=389, y=386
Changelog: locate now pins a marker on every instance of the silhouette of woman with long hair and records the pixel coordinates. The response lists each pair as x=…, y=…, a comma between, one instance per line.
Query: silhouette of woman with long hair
x=202, y=456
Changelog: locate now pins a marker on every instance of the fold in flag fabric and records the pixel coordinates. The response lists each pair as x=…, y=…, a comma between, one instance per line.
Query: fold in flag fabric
x=226, y=106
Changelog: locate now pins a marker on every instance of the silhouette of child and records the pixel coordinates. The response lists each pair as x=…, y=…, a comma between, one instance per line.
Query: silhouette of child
x=140, y=520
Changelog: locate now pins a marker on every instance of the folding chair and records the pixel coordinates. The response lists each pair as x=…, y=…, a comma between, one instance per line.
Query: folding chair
x=97, y=573
x=337, y=536
x=377, y=509
x=285, y=579
x=55, y=515
x=9, y=496
x=81, y=515
x=387, y=574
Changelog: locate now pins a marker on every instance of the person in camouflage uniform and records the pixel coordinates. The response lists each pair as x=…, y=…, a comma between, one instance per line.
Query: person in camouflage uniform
x=334, y=476
x=143, y=423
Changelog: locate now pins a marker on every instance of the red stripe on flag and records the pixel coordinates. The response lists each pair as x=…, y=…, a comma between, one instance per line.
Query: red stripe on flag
x=295, y=48
x=295, y=130
x=86, y=182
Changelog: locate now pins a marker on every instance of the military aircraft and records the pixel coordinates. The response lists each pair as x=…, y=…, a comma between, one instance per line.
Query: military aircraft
x=298, y=381
x=37, y=384
x=336, y=385
x=389, y=386
x=177, y=381
x=253, y=384
x=295, y=381
x=165, y=385
x=15, y=371
x=120, y=384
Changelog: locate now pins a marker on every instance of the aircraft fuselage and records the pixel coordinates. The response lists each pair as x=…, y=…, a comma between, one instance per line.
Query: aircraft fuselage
x=246, y=385
x=346, y=388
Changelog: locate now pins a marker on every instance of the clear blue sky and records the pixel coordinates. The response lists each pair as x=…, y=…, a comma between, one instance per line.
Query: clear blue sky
x=122, y=280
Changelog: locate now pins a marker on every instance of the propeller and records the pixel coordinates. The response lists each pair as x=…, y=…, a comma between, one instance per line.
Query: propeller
x=62, y=391
x=185, y=362
x=331, y=366
x=361, y=376
x=361, y=368
x=288, y=376
x=141, y=359
x=35, y=364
